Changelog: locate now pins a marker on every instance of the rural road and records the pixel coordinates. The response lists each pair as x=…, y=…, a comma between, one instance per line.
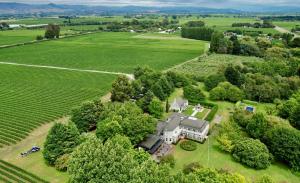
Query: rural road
x=283, y=30
x=130, y=76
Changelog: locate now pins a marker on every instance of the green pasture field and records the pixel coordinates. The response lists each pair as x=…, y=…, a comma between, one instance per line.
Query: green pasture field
x=30, y=97
x=207, y=65
x=15, y=36
x=119, y=52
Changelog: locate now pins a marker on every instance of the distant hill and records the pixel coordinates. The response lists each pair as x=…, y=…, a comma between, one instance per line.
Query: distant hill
x=21, y=9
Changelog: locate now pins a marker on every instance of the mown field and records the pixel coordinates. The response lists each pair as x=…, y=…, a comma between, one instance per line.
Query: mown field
x=120, y=52
x=30, y=97
x=287, y=25
x=211, y=64
x=13, y=174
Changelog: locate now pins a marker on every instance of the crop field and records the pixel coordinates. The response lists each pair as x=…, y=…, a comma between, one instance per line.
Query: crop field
x=30, y=97
x=118, y=52
x=12, y=174
x=207, y=65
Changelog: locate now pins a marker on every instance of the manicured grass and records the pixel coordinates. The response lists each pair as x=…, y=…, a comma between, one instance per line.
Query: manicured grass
x=201, y=115
x=209, y=155
x=189, y=111
x=119, y=52
x=207, y=65
x=33, y=96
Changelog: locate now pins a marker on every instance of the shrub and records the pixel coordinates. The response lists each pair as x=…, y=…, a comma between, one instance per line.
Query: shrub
x=168, y=159
x=212, y=81
x=226, y=91
x=188, y=145
x=39, y=37
x=252, y=153
x=192, y=167
x=199, y=33
x=61, y=164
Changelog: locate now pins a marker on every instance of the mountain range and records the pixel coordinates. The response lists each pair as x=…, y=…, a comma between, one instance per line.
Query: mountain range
x=21, y=9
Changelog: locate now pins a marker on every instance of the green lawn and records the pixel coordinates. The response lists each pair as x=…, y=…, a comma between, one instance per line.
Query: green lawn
x=201, y=115
x=209, y=155
x=119, y=52
x=189, y=111
x=33, y=96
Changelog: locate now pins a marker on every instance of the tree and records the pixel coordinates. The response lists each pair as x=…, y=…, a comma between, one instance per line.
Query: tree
x=193, y=94
x=158, y=91
x=167, y=106
x=144, y=102
x=236, y=46
x=121, y=89
x=212, y=81
x=252, y=153
x=284, y=144
x=233, y=75
x=226, y=91
x=215, y=43
x=287, y=38
x=52, y=31
x=108, y=128
x=61, y=140
x=94, y=161
x=195, y=24
x=257, y=125
x=86, y=116
x=296, y=42
x=155, y=108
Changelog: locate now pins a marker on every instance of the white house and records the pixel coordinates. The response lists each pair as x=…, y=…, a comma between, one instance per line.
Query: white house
x=179, y=105
x=180, y=126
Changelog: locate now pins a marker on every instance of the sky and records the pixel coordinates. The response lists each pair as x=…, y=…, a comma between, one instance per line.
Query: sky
x=200, y=3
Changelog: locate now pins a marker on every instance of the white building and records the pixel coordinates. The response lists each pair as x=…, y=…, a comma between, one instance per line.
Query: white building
x=179, y=126
x=179, y=105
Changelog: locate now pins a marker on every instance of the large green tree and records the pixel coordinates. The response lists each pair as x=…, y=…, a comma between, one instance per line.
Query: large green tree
x=61, y=140
x=156, y=108
x=86, y=116
x=121, y=89
x=284, y=144
x=257, y=126
x=252, y=153
x=193, y=94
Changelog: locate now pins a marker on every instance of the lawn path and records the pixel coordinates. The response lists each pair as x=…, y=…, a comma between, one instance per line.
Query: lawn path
x=283, y=30
x=206, y=49
x=130, y=76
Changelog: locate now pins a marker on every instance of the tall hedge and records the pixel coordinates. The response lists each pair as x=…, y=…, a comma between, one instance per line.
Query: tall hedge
x=199, y=33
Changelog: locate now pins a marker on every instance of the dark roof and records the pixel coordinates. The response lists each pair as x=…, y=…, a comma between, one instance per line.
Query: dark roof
x=194, y=123
x=150, y=141
x=174, y=121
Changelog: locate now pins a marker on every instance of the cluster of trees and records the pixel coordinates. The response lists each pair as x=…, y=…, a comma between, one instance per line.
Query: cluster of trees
x=116, y=161
x=251, y=83
x=4, y=26
x=52, y=31
x=291, y=110
x=227, y=92
x=148, y=89
x=267, y=136
x=265, y=24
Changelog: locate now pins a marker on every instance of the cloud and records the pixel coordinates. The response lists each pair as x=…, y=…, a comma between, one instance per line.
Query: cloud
x=203, y=3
